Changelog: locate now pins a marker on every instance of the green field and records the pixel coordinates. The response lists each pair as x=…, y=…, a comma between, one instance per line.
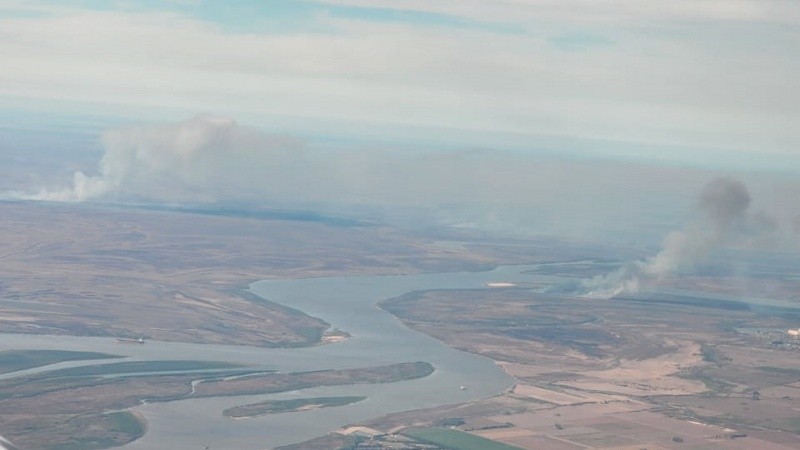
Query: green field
x=455, y=440
x=281, y=406
x=14, y=360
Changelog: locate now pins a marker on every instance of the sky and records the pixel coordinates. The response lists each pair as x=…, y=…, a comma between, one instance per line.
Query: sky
x=598, y=95
x=684, y=81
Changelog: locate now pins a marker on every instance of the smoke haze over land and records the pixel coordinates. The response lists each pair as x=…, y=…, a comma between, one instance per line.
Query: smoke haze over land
x=194, y=155
x=215, y=160
x=724, y=219
x=603, y=122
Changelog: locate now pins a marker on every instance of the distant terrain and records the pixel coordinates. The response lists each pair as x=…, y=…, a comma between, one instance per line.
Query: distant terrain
x=160, y=274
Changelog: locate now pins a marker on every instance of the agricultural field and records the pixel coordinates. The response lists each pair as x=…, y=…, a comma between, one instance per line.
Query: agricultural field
x=455, y=440
x=658, y=371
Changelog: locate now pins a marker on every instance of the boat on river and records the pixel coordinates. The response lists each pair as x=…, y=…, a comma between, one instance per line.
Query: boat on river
x=130, y=341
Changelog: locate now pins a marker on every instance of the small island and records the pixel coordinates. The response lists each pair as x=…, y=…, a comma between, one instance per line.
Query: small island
x=283, y=406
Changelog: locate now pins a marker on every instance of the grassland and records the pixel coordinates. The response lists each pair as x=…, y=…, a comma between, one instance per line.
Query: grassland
x=455, y=440
x=281, y=382
x=327, y=442
x=119, y=428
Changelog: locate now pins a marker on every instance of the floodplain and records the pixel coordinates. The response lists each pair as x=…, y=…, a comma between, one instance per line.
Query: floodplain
x=694, y=365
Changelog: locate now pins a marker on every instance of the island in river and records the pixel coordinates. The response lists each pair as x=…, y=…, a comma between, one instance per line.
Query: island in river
x=294, y=405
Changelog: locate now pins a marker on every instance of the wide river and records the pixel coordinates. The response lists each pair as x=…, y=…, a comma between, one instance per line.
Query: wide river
x=347, y=303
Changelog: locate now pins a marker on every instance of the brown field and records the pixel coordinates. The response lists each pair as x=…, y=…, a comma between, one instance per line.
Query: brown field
x=653, y=376
x=563, y=396
x=671, y=373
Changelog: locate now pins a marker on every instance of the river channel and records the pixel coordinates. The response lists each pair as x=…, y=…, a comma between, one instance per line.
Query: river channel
x=377, y=338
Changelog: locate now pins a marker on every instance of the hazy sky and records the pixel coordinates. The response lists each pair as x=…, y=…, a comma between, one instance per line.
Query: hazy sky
x=557, y=115
x=694, y=82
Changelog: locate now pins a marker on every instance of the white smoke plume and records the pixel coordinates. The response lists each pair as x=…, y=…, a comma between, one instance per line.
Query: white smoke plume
x=216, y=161
x=199, y=152
x=724, y=219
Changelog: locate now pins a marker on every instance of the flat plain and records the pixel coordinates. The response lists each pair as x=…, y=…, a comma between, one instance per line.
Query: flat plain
x=691, y=369
x=93, y=270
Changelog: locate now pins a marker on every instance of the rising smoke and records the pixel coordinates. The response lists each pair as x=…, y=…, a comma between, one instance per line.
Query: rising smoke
x=187, y=156
x=216, y=161
x=723, y=219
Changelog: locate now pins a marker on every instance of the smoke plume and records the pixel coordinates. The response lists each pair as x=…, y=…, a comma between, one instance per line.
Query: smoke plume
x=216, y=161
x=723, y=219
x=196, y=153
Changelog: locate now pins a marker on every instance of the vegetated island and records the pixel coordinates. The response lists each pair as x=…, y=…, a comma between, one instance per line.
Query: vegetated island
x=75, y=406
x=16, y=360
x=282, y=382
x=293, y=405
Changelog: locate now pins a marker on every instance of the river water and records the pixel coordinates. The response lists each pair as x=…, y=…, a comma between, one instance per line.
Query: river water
x=347, y=303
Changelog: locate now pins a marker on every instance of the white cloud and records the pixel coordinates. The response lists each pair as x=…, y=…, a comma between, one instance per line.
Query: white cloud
x=597, y=11
x=660, y=78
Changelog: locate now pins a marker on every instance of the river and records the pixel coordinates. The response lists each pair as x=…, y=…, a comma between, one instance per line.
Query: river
x=377, y=338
